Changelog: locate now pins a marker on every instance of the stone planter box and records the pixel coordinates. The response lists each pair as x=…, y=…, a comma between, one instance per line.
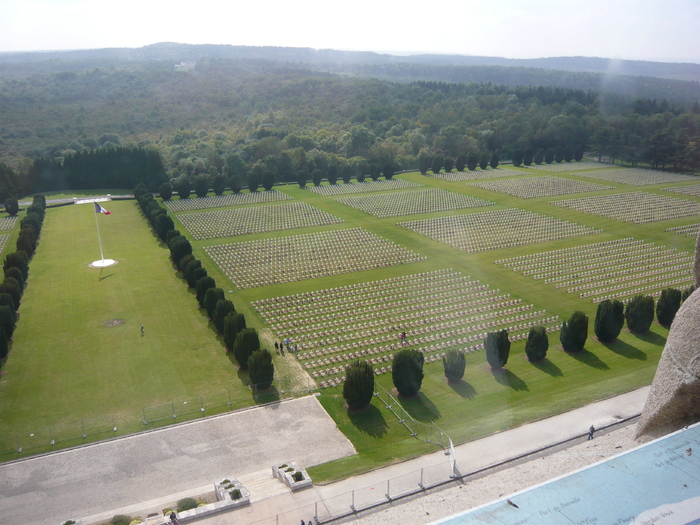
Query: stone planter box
x=285, y=473
x=77, y=521
x=224, y=501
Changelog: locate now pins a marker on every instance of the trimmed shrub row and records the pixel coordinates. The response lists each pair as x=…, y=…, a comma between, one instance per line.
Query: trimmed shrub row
x=242, y=341
x=16, y=270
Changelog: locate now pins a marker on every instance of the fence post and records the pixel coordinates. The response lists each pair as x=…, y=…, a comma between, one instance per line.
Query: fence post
x=53, y=441
x=201, y=403
x=229, y=398
x=387, y=490
x=316, y=511
x=144, y=417
x=352, y=503
x=19, y=445
x=114, y=425
x=172, y=407
x=420, y=484
x=82, y=425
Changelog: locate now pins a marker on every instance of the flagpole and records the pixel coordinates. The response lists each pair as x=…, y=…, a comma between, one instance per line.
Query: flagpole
x=99, y=239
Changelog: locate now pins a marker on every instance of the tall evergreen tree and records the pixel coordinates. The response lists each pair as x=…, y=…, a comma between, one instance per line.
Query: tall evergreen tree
x=454, y=363
x=223, y=308
x=261, y=369
x=407, y=371
x=639, y=313
x=497, y=348
x=668, y=304
x=358, y=387
x=574, y=332
x=609, y=318
x=247, y=342
x=537, y=344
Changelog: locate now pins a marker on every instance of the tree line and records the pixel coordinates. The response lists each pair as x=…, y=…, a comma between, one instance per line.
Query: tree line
x=239, y=339
x=284, y=122
x=611, y=315
x=16, y=268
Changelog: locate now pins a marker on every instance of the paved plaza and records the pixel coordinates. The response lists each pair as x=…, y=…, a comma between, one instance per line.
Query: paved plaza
x=181, y=460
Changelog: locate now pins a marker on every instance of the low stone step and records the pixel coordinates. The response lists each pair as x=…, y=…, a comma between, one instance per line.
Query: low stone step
x=262, y=484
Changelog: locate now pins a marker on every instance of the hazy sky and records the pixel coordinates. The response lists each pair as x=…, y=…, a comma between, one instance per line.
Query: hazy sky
x=639, y=29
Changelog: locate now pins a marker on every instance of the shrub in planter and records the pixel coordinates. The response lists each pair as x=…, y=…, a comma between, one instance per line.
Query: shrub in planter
x=235, y=494
x=298, y=476
x=186, y=504
x=121, y=519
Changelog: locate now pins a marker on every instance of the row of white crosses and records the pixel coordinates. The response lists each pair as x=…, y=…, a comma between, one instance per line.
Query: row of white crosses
x=461, y=176
x=634, y=207
x=693, y=190
x=436, y=310
x=271, y=261
x=492, y=230
x=362, y=187
x=607, y=270
x=690, y=230
x=559, y=167
x=256, y=219
x=223, y=201
x=8, y=223
x=412, y=202
x=536, y=187
x=636, y=176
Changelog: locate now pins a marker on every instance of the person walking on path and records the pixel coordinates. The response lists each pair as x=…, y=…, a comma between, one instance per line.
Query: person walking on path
x=173, y=518
x=277, y=348
x=590, y=433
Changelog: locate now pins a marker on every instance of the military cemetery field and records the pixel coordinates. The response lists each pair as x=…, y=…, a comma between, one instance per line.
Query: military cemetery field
x=445, y=259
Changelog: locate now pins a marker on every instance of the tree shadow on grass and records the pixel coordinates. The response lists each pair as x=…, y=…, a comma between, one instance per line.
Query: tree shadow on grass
x=463, y=389
x=508, y=378
x=547, y=366
x=589, y=358
x=420, y=408
x=650, y=337
x=369, y=420
x=266, y=396
x=625, y=350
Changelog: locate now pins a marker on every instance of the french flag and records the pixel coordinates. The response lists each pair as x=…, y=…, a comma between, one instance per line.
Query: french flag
x=100, y=209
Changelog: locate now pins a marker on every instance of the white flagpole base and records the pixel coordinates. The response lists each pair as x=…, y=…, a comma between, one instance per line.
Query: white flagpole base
x=102, y=263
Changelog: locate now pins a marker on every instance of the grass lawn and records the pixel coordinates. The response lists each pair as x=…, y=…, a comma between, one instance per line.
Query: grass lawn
x=66, y=365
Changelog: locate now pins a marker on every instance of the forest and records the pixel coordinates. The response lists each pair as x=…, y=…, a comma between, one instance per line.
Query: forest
x=223, y=118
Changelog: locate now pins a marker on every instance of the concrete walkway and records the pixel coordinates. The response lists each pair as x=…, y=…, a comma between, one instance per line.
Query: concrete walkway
x=334, y=500
x=145, y=472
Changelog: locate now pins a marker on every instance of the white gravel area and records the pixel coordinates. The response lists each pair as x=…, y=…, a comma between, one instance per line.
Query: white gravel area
x=439, y=504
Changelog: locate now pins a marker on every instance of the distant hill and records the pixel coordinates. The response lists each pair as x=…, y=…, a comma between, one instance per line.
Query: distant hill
x=191, y=52
x=678, y=83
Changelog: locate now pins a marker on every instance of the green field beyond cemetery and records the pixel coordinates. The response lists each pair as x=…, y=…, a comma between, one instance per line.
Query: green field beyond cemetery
x=341, y=271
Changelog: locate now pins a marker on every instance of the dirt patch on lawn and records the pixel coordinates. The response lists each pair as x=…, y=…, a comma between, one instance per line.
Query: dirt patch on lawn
x=114, y=322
